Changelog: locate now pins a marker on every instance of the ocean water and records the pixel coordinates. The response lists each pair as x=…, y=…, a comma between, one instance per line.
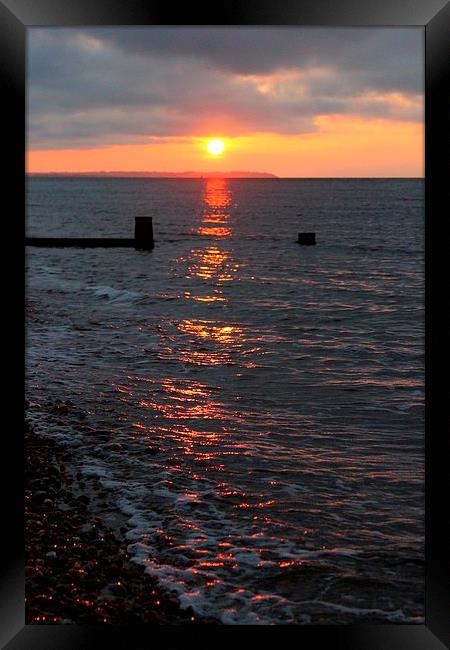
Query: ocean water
x=253, y=409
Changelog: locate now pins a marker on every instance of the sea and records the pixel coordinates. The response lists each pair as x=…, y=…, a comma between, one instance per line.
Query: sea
x=252, y=408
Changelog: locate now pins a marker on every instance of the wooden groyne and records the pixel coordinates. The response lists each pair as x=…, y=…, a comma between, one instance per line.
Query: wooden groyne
x=307, y=238
x=79, y=242
x=143, y=239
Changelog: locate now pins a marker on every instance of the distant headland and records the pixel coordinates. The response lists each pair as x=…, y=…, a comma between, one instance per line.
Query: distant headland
x=231, y=174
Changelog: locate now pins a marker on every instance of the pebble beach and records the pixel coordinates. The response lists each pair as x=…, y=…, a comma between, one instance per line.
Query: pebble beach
x=77, y=571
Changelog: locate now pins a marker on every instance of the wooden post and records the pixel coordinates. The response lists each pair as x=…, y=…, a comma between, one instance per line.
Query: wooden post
x=307, y=238
x=143, y=233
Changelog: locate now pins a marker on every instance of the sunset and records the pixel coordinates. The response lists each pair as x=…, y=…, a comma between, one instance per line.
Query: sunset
x=216, y=147
x=225, y=326
x=292, y=102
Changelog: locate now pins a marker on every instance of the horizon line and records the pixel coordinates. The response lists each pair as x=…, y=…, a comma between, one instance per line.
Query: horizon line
x=200, y=175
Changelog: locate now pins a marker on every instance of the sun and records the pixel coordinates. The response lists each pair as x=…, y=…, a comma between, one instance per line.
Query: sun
x=216, y=147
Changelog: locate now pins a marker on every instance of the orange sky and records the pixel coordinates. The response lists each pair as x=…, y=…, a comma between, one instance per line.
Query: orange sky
x=303, y=102
x=340, y=147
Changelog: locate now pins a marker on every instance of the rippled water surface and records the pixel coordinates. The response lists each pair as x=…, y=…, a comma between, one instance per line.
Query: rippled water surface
x=254, y=407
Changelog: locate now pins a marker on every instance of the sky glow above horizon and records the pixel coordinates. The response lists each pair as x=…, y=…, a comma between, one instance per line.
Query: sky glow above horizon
x=295, y=102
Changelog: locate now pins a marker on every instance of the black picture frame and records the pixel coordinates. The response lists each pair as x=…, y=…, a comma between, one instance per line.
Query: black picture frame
x=18, y=15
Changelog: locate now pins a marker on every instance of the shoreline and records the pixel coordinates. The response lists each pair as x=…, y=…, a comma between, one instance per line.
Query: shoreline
x=77, y=570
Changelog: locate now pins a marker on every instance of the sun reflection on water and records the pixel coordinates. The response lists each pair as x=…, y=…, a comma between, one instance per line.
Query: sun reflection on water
x=228, y=334
x=203, y=342
x=183, y=401
x=217, y=197
x=217, y=200
x=212, y=263
x=194, y=435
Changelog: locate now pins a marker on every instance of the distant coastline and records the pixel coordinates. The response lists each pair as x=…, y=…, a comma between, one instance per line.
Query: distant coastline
x=200, y=175
x=188, y=174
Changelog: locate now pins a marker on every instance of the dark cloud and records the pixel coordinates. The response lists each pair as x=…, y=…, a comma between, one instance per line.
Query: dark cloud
x=392, y=55
x=110, y=86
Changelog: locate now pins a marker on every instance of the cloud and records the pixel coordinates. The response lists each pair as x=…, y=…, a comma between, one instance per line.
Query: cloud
x=392, y=55
x=103, y=86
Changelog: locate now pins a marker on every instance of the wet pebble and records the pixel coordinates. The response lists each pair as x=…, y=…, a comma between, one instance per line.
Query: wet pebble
x=67, y=584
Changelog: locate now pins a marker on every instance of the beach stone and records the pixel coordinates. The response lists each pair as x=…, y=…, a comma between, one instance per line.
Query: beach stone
x=117, y=590
x=33, y=572
x=130, y=618
x=86, y=528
